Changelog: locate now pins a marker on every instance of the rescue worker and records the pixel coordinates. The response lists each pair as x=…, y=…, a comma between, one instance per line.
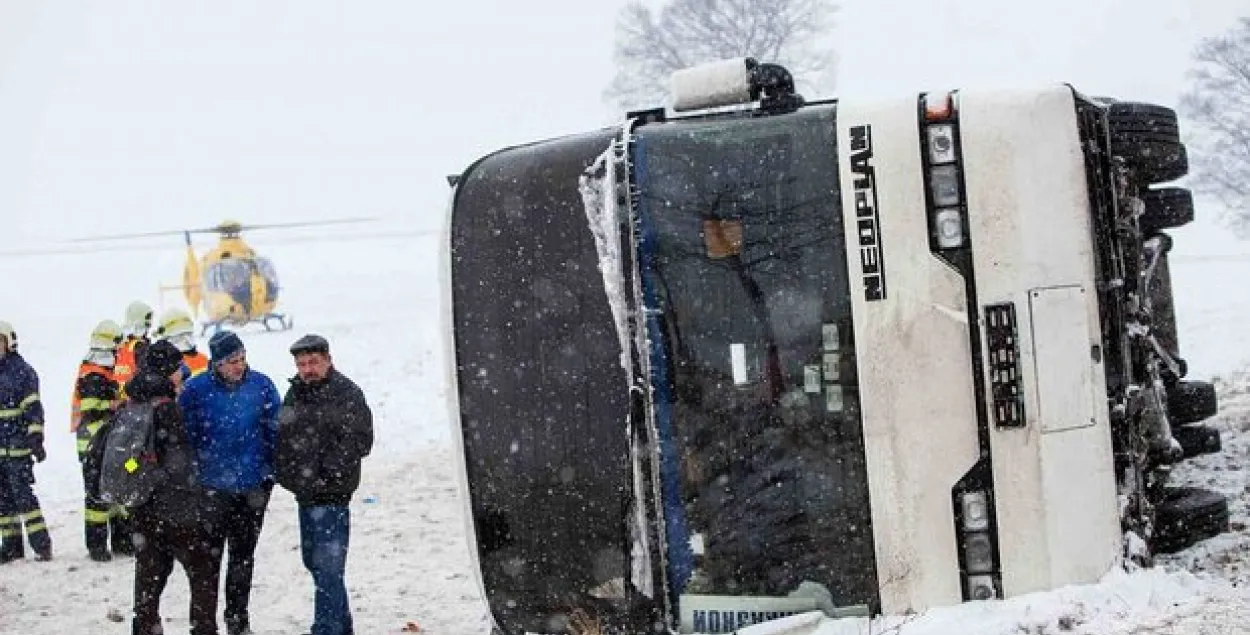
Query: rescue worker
x=21, y=440
x=95, y=398
x=177, y=327
x=135, y=331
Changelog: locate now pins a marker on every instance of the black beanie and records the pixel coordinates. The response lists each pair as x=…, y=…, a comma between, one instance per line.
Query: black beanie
x=161, y=358
x=223, y=344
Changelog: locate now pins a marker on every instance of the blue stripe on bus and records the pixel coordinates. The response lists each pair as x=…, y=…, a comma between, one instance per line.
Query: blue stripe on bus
x=676, y=532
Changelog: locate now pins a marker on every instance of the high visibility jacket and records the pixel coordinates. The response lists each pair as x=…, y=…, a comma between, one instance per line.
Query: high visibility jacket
x=196, y=362
x=128, y=361
x=21, y=412
x=76, y=406
x=95, y=397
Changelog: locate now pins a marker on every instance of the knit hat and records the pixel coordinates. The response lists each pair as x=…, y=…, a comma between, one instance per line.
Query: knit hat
x=310, y=344
x=223, y=344
x=161, y=358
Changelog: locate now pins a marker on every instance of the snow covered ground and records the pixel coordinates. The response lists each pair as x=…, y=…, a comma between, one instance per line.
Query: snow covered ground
x=409, y=566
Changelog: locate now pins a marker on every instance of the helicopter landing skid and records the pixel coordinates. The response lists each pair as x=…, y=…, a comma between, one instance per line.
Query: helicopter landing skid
x=284, y=321
x=271, y=321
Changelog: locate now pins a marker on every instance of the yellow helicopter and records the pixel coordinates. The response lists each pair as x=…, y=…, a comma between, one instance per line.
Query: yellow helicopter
x=231, y=284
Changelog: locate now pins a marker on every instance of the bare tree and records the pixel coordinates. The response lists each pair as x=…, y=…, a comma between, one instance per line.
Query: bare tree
x=1218, y=102
x=689, y=32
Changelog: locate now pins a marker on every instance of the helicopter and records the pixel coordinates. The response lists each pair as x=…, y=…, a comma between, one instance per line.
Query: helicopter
x=231, y=284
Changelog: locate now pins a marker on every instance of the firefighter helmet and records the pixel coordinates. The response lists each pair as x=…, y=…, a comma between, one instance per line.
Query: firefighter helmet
x=138, y=318
x=175, y=322
x=176, y=327
x=106, y=336
x=10, y=337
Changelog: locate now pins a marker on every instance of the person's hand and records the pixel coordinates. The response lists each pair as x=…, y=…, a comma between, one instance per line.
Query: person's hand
x=38, y=451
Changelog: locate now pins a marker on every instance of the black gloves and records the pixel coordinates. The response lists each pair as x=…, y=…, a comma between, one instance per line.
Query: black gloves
x=36, y=448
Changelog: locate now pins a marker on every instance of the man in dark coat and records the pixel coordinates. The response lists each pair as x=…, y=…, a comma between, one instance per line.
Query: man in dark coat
x=180, y=522
x=324, y=430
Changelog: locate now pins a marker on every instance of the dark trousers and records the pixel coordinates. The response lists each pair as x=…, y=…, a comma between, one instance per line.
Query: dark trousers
x=103, y=524
x=18, y=506
x=323, y=537
x=244, y=516
x=198, y=549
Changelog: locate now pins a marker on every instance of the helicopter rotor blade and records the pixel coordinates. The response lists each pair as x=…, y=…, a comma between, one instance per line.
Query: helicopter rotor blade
x=52, y=250
x=222, y=228
x=311, y=223
x=96, y=239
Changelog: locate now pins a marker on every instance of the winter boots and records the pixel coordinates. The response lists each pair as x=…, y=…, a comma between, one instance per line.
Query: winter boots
x=12, y=549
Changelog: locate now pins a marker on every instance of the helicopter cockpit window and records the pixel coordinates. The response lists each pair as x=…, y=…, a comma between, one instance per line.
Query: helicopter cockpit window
x=226, y=275
x=267, y=270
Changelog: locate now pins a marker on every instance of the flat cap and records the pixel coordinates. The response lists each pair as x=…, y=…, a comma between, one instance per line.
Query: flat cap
x=310, y=344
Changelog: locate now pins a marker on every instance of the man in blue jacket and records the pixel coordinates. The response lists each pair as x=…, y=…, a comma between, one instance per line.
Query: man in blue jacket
x=231, y=416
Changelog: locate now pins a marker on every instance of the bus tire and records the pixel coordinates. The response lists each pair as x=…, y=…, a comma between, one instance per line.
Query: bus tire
x=1191, y=401
x=1166, y=208
x=1148, y=138
x=1188, y=515
x=1198, y=440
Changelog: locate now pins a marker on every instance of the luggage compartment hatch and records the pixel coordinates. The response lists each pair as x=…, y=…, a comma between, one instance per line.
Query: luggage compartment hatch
x=1062, y=360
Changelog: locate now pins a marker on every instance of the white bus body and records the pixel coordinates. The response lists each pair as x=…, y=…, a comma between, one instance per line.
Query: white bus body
x=1029, y=221
x=718, y=368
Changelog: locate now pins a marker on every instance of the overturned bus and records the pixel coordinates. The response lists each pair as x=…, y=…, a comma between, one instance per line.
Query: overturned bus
x=751, y=356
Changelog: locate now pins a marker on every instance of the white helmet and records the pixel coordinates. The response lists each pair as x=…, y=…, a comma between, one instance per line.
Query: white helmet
x=105, y=336
x=10, y=338
x=138, y=319
x=177, y=327
x=102, y=348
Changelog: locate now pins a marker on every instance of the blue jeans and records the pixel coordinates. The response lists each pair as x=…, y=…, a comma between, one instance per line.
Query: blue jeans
x=323, y=532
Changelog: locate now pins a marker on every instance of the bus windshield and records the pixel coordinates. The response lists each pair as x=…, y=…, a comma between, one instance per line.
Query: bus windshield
x=743, y=257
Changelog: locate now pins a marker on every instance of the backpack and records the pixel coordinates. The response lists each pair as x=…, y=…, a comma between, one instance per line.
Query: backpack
x=129, y=469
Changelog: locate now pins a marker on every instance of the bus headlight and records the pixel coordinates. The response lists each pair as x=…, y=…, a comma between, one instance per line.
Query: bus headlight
x=981, y=587
x=976, y=511
x=978, y=553
x=942, y=144
x=948, y=225
x=977, y=543
x=944, y=185
x=940, y=154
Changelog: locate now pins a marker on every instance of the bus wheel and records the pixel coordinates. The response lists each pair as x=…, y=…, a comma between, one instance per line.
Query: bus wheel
x=1166, y=207
x=1198, y=440
x=1188, y=515
x=1148, y=138
x=1191, y=401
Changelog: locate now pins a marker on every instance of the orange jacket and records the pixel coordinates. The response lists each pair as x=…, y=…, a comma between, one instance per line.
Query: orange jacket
x=128, y=360
x=93, y=402
x=196, y=361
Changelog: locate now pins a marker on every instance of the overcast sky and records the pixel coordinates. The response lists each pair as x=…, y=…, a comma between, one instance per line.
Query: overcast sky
x=141, y=115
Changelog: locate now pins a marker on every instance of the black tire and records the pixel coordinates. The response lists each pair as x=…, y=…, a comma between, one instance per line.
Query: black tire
x=1166, y=207
x=1198, y=440
x=1191, y=402
x=1148, y=138
x=1188, y=515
